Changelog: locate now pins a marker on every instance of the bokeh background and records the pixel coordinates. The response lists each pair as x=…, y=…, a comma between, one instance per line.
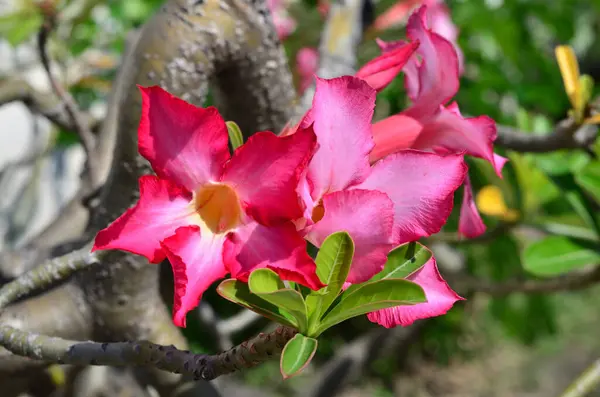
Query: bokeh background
x=513, y=345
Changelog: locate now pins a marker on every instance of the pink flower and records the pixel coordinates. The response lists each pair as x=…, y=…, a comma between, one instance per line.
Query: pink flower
x=381, y=71
x=207, y=212
x=438, y=18
x=284, y=23
x=429, y=124
x=307, y=62
x=403, y=197
x=440, y=299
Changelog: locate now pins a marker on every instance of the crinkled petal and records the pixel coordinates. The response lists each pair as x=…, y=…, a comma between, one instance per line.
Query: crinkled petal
x=470, y=223
x=342, y=111
x=440, y=299
x=197, y=262
x=368, y=216
x=184, y=143
x=381, y=71
x=265, y=172
x=450, y=131
x=393, y=134
x=422, y=186
x=162, y=208
x=438, y=70
x=279, y=248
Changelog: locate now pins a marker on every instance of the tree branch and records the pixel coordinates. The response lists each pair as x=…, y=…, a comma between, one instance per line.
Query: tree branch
x=570, y=282
x=566, y=135
x=585, y=383
x=47, y=105
x=257, y=350
x=49, y=273
x=88, y=141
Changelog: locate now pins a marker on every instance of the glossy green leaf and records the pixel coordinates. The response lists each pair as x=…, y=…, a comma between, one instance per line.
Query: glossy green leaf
x=296, y=355
x=333, y=264
x=402, y=262
x=235, y=134
x=370, y=297
x=557, y=255
x=266, y=284
x=576, y=197
x=238, y=292
x=589, y=179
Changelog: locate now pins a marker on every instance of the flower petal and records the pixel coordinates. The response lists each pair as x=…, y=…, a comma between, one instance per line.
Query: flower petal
x=307, y=62
x=438, y=70
x=440, y=299
x=393, y=134
x=422, y=186
x=265, y=172
x=342, y=111
x=450, y=131
x=197, y=262
x=368, y=216
x=470, y=223
x=394, y=15
x=381, y=71
x=279, y=248
x=162, y=208
x=183, y=143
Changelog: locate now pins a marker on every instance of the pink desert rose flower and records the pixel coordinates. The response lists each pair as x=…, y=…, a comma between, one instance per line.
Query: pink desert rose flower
x=403, y=197
x=431, y=80
x=438, y=17
x=210, y=213
x=307, y=62
x=285, y=25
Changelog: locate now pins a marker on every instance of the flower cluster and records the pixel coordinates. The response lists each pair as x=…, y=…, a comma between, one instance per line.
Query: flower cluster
x=385, y=184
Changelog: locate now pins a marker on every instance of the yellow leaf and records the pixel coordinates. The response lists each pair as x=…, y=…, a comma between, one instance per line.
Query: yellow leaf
x=490, y=202
x=595, y=119
x=569, y=70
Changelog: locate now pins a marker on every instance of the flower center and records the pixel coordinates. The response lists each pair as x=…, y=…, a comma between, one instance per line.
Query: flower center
x=318, y=212
x=219, y=207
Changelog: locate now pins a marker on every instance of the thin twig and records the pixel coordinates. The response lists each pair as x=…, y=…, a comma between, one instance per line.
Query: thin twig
x=585, y=383
x=49, y=273
x=82, y=129
x=257, y=350
x=566, y=135
x=45, y=104
x=570, y=282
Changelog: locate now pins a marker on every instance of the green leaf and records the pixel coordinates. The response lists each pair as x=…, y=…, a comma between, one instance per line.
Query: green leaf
x=296, y=355
x=589, y=179
x=235, y=134
x=401, y=263
x=576, y=197
x=370, y=297
x=238, y=292
x=333, y=264
x=266, y=284
x=20, y=26
x=557, y=255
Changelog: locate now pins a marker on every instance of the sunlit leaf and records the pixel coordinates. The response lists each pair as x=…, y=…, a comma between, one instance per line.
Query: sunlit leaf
x=556, y=255
x=239, y=293
x=267, y=285
x=296, y=355
x=370, y=297
x=333, y=264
